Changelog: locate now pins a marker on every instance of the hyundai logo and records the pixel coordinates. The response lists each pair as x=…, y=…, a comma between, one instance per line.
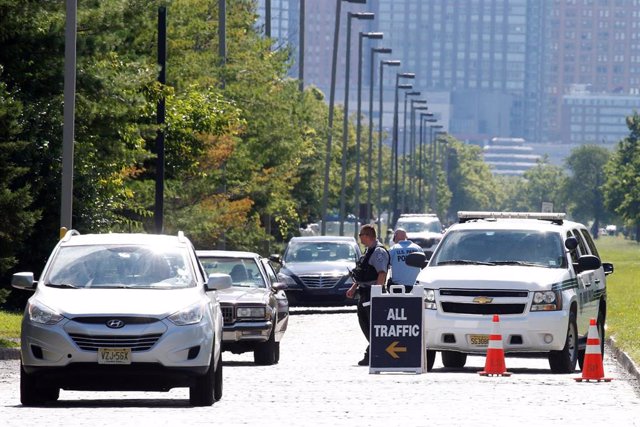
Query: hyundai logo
x=115, y=324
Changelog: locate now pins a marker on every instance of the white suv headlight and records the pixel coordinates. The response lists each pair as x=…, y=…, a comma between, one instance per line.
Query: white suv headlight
x=546, y=301
x=430, y=299
x=40, y=313
x=189, y=316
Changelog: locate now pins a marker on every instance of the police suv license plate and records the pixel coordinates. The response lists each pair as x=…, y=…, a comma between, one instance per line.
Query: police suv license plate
x=479, y=340
x=114, y=356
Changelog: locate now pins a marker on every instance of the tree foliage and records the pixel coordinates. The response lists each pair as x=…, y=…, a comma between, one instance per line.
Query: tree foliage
x=622, y=181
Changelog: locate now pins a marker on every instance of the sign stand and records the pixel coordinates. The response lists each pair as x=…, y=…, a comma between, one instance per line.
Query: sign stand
x=397, y=341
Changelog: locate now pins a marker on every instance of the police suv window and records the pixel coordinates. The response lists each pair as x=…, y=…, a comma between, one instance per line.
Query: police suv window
x=590, y=242
x=574, y=254
x=581, y=245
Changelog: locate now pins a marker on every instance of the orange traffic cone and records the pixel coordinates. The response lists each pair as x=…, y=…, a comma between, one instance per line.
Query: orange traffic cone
x=592, y=368
x=494, y=364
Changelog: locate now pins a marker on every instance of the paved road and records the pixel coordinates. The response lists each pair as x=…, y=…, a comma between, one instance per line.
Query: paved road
x=317, y=382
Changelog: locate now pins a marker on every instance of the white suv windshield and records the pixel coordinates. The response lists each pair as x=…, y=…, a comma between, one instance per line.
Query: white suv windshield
x=120, y=266
x=319, y=252
x=501, y=247
x=420, y=226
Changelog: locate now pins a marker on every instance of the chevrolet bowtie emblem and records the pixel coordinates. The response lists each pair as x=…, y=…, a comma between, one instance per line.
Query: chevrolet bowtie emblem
x=482, y=300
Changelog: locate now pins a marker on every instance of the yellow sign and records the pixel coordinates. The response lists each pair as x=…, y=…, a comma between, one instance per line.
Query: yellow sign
x=393, y=349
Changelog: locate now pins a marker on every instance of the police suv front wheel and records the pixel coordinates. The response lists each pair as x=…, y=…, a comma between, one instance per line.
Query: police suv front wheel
x=564, y=361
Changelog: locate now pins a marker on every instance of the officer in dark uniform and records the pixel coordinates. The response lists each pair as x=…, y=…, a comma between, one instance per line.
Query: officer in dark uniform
x=371, y=269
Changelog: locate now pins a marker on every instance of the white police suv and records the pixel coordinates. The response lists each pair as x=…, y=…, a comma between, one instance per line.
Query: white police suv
x=541, y=273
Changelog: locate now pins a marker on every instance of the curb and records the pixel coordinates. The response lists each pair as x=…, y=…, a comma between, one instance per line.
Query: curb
x=623, y=359
x=9, y=353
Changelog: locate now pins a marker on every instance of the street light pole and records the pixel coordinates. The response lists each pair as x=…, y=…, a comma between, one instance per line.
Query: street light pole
x=68, y=127
x=390, y=63
x=332, y=95
x=345, y=120
x=433, y=167
x=403, y=205
x=301, y=46
x=413, y=151
x=383, y=50
x=424, y=118
x=394, y=147
x=373, y=36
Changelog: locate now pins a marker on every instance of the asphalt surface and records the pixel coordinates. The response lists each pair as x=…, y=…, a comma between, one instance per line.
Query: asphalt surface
x=318, y=383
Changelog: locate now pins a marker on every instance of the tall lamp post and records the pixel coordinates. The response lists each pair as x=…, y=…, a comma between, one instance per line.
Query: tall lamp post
x=345, y=120
x=389, y=63
x=424, y=118
x=332, y=96
x=373, y=36
x=394, y=147
x=403, y=205
x=68, y=127
x=433, y=167
x=413, y=151
x=374, y=50
x=301, y=18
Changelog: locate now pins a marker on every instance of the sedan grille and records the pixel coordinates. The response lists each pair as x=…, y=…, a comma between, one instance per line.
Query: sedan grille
x=320, y=281
x=227, y=314
x=135, y=343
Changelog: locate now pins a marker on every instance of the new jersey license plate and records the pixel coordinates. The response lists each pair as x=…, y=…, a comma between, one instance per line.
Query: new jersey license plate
x=114, y=356
x=479, y=340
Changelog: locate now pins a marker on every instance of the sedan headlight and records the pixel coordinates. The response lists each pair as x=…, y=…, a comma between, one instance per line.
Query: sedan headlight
x=284, y=278
x=430, y=299
x=547, y=301
x=189, y=316
x=40, y=313
x=251, y=312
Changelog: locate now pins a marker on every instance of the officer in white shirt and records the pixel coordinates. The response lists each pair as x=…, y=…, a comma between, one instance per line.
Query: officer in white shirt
x=401, y=273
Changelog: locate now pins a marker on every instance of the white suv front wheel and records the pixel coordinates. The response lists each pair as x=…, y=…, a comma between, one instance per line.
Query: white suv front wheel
x=564, y=361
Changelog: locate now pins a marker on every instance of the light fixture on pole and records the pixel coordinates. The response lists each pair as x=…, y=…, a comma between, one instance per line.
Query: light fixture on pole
x=362, y=36
x=374, y=50
x=403, y=205
x=394, y=147
x=345, y=121
x=332, y=95
x=389, y=63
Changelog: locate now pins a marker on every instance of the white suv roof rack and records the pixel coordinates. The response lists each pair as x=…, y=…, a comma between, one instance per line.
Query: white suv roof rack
x=556, y=217
x=418, y=215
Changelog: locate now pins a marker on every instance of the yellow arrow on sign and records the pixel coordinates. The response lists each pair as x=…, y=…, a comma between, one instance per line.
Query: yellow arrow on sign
x=393, y=349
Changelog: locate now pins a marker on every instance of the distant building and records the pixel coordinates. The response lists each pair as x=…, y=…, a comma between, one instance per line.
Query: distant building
x=509, y=156
x=596, y=118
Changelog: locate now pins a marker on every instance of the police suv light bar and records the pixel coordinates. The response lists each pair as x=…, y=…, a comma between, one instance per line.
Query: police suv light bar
x=464, y=216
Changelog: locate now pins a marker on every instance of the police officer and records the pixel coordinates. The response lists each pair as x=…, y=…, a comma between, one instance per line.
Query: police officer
x=371, y=269
x=401, y=273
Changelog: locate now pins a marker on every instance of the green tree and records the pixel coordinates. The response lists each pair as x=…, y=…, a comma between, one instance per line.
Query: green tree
x=470, y=180
x=544, y=183
x=583, y=189
x=622, y=177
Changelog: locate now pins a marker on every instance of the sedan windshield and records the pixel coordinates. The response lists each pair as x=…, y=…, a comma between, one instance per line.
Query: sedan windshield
x=243, y=271
x=319, y=252
x=500, y=247
x=120, y=266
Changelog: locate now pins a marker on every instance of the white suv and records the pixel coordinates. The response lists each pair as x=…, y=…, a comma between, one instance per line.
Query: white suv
x=121, y=312
x=425, y=230
x=540, y=273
